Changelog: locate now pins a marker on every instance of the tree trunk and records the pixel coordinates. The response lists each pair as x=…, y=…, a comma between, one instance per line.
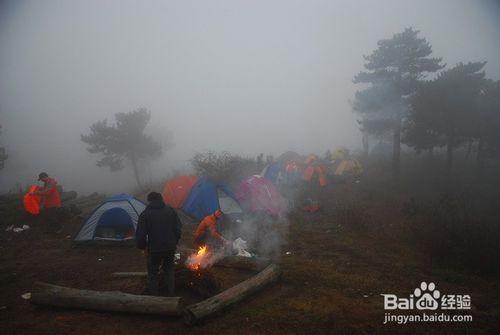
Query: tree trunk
x=366, y=146
x=205, y=308
x=480, y=156
x=150, y=175
x=449, y=155
x=469, y=149
x=109, y=301
x=133, y=160
x=396, y=152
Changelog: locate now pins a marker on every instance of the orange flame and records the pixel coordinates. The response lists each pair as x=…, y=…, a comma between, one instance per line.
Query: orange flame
x=202, y=250
x=195, y=260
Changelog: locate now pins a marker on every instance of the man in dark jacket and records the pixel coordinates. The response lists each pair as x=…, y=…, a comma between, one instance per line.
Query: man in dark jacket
x=158, y=231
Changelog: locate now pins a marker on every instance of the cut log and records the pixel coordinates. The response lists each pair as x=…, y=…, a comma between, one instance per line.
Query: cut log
x=196, y=312
x=109, y=301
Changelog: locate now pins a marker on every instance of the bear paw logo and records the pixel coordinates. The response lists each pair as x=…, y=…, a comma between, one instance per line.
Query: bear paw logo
x=428, y=296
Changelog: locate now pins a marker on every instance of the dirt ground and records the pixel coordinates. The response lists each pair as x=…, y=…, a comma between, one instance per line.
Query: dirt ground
x=333, y=275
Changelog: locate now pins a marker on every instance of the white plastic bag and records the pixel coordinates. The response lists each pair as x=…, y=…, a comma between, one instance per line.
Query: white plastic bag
x=240, y=246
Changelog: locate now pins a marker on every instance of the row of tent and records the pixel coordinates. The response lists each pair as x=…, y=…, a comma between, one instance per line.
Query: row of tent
x=200, y=197
x=116, y=218
x=312, y=168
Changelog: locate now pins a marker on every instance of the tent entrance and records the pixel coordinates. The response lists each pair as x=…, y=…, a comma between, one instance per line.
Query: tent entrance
x=227, y=204
x=114, y=224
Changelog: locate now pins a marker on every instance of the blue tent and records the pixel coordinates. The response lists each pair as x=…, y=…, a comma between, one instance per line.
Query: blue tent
x=114, y=220
x=206, y=197
x=272, y=172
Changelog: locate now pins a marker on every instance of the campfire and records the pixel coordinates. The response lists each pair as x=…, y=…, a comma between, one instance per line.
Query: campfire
x=203, y=258
x=198, y=260
x=197, y=275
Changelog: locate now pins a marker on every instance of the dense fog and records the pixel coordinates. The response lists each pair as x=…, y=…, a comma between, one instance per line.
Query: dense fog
x=248, y=77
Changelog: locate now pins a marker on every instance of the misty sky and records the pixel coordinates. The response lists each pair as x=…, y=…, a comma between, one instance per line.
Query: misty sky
x=243, y=76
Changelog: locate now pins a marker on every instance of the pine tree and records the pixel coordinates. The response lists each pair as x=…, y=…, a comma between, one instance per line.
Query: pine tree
x=393, y=71
x=123, y=142
x=447, y=107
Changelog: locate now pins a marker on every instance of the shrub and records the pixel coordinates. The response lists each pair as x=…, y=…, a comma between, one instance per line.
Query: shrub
x=225, y=167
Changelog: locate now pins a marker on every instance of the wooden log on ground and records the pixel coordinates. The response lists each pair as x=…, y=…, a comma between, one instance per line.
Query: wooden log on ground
x=196, y=312
x=109, y=301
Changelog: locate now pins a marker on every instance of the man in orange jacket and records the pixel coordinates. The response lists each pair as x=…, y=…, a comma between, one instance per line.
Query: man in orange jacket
x=207, y=233
x=50, y=201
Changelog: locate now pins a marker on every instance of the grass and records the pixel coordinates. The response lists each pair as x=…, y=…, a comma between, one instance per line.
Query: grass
x=369, y=238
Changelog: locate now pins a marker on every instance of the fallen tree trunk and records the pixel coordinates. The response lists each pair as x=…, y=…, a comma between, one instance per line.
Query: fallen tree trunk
x=109, y=301
x=196, y=312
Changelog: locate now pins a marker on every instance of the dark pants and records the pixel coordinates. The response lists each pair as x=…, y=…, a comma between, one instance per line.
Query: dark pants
x=166, y=261
x=51, y=218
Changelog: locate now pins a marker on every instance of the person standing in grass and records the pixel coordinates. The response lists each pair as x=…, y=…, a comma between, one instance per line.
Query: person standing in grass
x=158, y=232
x=50, y=201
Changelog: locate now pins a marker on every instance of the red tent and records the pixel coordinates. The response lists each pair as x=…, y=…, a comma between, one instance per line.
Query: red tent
x=177, y=189
x=257, y=193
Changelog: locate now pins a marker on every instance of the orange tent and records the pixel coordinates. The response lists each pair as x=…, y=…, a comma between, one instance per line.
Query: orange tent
x=321, y=170
x=313, y=166
x=32, y=202
x=177, y=189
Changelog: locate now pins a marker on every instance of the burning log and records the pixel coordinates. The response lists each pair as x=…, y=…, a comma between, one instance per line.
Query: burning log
x=196, y=312
x=109, y=301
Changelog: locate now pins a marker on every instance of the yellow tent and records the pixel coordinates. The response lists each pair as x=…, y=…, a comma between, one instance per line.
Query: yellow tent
x=349, y=166
x=340, y=153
